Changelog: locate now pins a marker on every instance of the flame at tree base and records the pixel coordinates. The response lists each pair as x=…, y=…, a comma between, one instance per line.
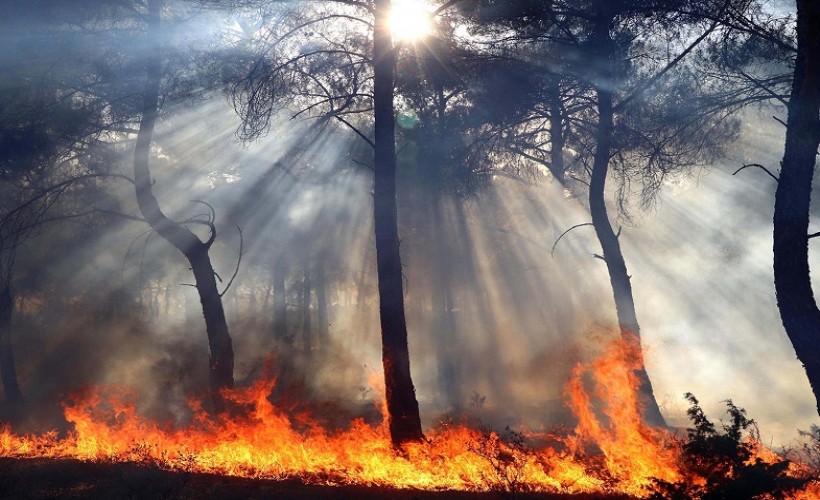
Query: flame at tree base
x=614, y=452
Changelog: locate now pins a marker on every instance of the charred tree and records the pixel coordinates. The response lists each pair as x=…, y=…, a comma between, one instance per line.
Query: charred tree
x=795, y=297
x=195, y=250
x=610, y=245
x=402, y=406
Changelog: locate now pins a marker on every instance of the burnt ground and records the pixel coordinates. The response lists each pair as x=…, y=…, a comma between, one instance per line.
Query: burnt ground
x=39, y=479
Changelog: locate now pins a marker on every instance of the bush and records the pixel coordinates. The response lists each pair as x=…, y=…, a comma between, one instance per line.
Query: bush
x=725, y=463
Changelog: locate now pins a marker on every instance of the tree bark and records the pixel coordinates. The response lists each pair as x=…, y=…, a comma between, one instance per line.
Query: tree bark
x=795, y=297
x=613, y=256
x=196, y=251
x=402, y=406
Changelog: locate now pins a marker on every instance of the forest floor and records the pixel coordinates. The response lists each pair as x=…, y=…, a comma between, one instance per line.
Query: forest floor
x=37, y=479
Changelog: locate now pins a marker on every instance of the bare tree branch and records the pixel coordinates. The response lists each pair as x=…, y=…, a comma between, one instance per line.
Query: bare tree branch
x=757, y=165
x=552, y=252
x=238, y=262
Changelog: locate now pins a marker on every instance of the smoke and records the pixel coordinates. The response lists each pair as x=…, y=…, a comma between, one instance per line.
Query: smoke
x=702, y=273
x=497, y=317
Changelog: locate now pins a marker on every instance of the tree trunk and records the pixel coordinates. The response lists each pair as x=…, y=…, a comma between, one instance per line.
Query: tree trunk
x=556, y=130
x=219, y=340
x=613, y=256
x=280, y=306
x=307, y=333
x=321, y=304
x=8, y=371
x=402, y=406
x=795, y=298
x=442, y=305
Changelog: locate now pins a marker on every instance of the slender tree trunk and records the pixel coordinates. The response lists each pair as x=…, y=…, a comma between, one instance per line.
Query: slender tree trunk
x=280, y=306
x=402, y=406
x=556, y=119
x=307, y=332
x=441, y=295
x=167, y=301
x=252, y=304
x=8, y=371
x=221, y=350
x=795, y=298
x=613, y=256
x=321, y=304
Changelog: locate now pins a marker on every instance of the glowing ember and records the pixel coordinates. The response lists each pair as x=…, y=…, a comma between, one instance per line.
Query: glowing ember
x=614, y=452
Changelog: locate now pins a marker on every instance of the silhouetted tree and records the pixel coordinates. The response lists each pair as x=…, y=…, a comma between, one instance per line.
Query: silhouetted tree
x=795, y=297
x=342, y=79
x=615, y=114
x=403, y=408
x=195, y=251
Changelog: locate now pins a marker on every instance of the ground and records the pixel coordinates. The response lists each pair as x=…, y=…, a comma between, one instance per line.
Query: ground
x=30, y=479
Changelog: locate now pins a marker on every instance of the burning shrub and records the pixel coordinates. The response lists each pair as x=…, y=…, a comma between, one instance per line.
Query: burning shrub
x=728, y=462
x=507, y=458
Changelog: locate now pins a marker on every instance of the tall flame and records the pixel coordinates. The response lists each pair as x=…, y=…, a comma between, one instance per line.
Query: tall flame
x=610, y=450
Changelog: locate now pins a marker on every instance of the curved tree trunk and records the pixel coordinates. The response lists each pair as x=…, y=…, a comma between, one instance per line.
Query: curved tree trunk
x=402, y=406
x=795, y=298
x=611, y=247
x=196, y=251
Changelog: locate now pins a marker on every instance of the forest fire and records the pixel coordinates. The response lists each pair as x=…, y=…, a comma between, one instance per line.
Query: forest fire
x=611, y=452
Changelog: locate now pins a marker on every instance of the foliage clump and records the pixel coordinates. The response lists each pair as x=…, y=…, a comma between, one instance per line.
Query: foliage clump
x=727, y=462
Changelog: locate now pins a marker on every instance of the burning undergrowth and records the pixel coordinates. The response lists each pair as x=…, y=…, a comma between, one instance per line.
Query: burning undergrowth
x=609, y=450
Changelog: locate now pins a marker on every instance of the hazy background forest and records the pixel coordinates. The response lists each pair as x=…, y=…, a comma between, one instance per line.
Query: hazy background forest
x=497, y=312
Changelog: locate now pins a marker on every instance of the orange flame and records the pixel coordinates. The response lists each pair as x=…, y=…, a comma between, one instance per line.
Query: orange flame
x=635, y=453
x=615, y=452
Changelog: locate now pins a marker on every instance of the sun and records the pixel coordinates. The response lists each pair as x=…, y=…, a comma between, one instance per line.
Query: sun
x=410, y=20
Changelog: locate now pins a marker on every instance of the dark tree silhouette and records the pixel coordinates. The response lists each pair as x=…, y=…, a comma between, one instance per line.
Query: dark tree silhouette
x=350, y=81
x=195, y=250
x=619, y=117
x=795, y=297
x=402, y=406
x=610, y=245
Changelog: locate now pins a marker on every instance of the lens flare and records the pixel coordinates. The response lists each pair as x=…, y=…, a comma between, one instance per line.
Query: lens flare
x=410, y=20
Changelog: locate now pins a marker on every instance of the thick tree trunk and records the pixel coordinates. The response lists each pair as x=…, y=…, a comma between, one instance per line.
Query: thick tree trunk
x=611, y=247
x=795, y=297
x=402, y=406
x=221, y=350
x=8, y=371
x=216, y=325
